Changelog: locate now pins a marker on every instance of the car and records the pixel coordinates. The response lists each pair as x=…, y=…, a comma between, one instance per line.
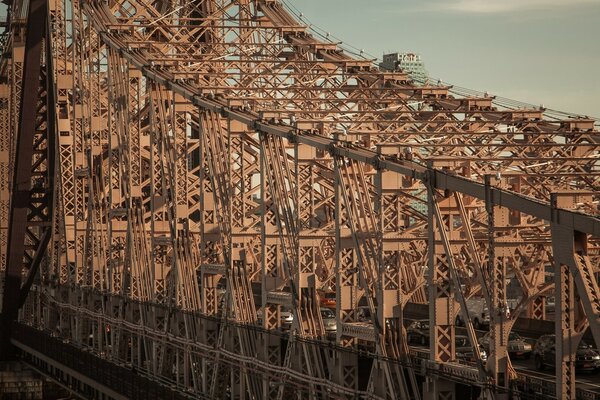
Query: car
x=329, y=321
x=327, y=299
x=478, y=312
x=586, y=358
x=464, y=350
x=517, y=346
x=418, y=332
x=550, y=304
x=363, y=314
x=286, y=317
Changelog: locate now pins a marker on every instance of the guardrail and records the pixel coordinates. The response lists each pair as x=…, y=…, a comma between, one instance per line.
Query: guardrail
x=38, y=348
x=536, y=387
x=77, y=369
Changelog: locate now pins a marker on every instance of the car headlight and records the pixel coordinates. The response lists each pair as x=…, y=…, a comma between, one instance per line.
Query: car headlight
x=597, y=357
x=526, y=346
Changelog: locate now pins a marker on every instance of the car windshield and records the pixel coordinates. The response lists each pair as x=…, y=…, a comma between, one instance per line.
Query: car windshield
x=327, y=313
x=330, y=296
x=514, y=336
x=418, y=325
x=584, y=345
x=546, y=340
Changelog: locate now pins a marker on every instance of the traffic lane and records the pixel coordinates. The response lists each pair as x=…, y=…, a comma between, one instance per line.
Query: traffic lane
x=585, y=380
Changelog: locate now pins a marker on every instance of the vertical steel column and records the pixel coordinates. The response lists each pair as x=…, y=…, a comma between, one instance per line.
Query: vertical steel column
x=389, y=287
x=62, y=240
x=345, y=261
x=271, y=351
x=29, y=192
x=441, y=303
x=564, y=245
x=498, y=361
x=5, y=138
x=574, y=275
x=583, y=272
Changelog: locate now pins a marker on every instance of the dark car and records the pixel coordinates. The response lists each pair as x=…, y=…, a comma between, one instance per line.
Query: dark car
x=517, y=346
x=586, y=358
x=464, y=350
x=418, y=332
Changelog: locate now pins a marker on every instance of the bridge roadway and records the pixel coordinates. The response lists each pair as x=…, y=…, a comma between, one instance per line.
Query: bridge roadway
x=588, y=383
x=530, y=330
x=89, y=376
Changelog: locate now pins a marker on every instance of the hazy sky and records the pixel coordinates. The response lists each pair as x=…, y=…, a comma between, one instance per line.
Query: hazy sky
x=538, y=51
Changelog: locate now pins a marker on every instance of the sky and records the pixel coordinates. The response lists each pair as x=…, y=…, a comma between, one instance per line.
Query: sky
x=544, y=52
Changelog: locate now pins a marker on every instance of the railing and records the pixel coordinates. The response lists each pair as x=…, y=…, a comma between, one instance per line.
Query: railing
x=535, y=387
x=120, y=379
x=132, y=383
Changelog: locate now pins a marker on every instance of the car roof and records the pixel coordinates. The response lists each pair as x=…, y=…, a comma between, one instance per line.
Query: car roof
x=548, y=336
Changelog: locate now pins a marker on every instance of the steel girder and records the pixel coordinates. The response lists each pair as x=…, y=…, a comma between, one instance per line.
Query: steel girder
x=31, y=194
x=215, y=155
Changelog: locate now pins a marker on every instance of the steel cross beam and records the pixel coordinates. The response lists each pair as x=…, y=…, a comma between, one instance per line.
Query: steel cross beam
x=442, y=180
x=522, y=132
x=32, y=191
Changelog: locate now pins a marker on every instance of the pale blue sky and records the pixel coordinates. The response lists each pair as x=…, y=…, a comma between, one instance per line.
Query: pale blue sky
x=538, y=51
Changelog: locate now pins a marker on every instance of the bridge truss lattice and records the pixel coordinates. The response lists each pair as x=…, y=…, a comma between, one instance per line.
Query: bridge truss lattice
x=154, y=153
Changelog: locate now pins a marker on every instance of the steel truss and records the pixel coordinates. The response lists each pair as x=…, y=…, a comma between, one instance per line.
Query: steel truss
x=217, y=163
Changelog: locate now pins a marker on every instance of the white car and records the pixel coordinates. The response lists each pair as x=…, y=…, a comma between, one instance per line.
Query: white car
x=464, y=350
x=286, y=317
x=478, y=312
x=329, y=322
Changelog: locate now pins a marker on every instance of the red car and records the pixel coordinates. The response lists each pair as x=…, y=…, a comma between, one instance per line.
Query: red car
x=327, y=299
